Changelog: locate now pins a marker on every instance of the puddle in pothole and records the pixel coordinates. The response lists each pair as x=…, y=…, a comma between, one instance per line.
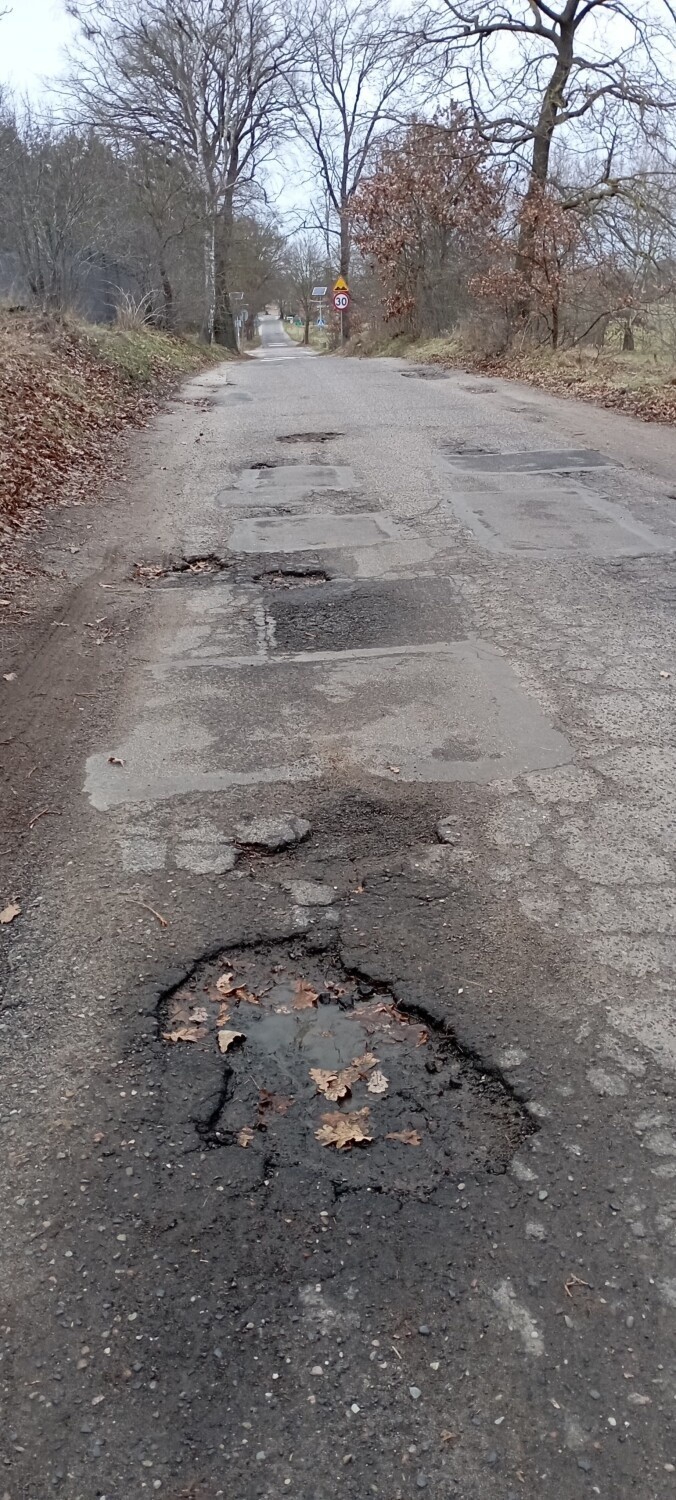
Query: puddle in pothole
x=321, y=1069
x=188, y=570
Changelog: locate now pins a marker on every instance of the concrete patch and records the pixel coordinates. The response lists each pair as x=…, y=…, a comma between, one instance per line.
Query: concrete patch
x=552, y=522
x=451, y=713
x=543, y=461
x=300, y=479
x=307, y=533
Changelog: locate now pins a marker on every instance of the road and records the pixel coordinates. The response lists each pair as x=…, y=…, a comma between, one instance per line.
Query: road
x=338, y=1027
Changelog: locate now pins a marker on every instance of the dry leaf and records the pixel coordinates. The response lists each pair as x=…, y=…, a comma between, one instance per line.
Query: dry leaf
x=336, y=1084
x=344, y=1131
x=223, y=1016
x=199, y=1014
x=278, y=1103
x=11, y=676
x=114, y=760
x=304, y=996
x=224, y=985
x=408, y=1137
x=10, y=912
x=183, y=1034
x=378, y=1083
x=333, y=1086
x=245, y=1136
x=396, y=770
x=226, y=1039
x=243, y=993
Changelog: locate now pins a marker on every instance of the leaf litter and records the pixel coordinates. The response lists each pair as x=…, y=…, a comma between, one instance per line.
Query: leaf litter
x=337, y=1085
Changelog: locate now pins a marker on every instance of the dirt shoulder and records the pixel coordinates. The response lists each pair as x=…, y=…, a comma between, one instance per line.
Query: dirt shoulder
x=638, y=383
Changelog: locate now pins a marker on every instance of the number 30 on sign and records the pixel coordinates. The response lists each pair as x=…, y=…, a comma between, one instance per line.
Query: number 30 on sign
x=341, y=301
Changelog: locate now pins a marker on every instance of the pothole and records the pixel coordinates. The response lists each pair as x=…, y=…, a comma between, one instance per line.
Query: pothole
x=190, y=567
x=303, y=1062
x=310, y=437
x=290, y=578
x=424, y=372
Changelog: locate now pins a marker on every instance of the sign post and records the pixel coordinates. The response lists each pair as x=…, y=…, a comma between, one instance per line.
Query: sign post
x=320, y=293
x=341, y=300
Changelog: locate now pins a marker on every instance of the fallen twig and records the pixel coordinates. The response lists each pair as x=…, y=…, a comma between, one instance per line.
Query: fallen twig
x=162, y=920
x=39, y=815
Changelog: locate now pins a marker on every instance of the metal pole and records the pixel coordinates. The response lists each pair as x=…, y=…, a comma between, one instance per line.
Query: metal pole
x=341, y=325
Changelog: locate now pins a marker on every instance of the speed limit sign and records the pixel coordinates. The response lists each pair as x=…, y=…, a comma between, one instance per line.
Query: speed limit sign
x=341, y=301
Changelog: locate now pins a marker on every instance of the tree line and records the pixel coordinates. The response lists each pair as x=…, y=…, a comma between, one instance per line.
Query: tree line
x=504, y=161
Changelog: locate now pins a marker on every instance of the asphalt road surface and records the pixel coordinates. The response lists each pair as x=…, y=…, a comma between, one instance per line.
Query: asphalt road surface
x=338, y=1027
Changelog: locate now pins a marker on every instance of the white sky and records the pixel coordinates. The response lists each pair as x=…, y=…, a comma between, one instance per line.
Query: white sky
x=32, y=41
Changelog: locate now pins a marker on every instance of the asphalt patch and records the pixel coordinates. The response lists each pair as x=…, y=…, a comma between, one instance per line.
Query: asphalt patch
x=290, y=1058
x=357, y=614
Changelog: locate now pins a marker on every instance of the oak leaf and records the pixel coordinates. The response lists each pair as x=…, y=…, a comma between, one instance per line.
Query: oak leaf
x=304, y=997
x=344, y=1131
x=10, y=912
x=378, y=1083
x=407, y=1137
x=183, y=1034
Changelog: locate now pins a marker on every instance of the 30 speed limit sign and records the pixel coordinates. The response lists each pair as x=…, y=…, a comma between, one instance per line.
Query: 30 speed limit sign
x=341, y=301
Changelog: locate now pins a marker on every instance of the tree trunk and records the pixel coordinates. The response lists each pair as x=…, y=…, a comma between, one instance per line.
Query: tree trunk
x=209, y=279
x=345, y=249
x=168, y=318
x=225, y=332
x=552, y=103
x=306, y=330
x=628, y=338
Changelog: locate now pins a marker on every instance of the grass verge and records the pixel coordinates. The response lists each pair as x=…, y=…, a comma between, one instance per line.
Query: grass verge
x=66, y=391
x=640, y=383
x=319, y=337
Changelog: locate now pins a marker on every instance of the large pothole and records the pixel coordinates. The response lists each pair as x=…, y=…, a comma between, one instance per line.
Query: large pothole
x=291, y=1057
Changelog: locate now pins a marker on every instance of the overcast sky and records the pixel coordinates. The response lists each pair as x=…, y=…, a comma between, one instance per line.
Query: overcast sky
x=32, y=41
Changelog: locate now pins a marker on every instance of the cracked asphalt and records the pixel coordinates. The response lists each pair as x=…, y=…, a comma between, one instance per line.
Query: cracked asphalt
x=340, y=761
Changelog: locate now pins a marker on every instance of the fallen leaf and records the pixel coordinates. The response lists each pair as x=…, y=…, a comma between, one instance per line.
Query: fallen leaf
x=278, y=1103
x=336, y=1084
x=226, y=1039
x=183, y=1034
x=304, y=996
x=396, y=770
x=344, y=1131
x=378, y=1083
x=199, y=1014
x=11, y=676
x=223, y=1017
x=245, y=1136
x=243, y=993
x=98, y=1138
x=423, y=1039
x=332, y=1085
x=114, y=760
x=224, y=985
x=408, y=1137
x=10, y=912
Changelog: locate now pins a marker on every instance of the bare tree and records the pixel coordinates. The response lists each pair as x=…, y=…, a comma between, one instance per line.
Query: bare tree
x=201, y=79
x=51, y=204
x=593, y=71
x=353, y=67
x=307, y=268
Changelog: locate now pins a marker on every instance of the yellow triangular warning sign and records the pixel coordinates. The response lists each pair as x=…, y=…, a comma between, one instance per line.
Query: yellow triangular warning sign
x=341, y=285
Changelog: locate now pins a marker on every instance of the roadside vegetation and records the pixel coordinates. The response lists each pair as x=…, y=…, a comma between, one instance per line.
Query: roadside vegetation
x=67, y=389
